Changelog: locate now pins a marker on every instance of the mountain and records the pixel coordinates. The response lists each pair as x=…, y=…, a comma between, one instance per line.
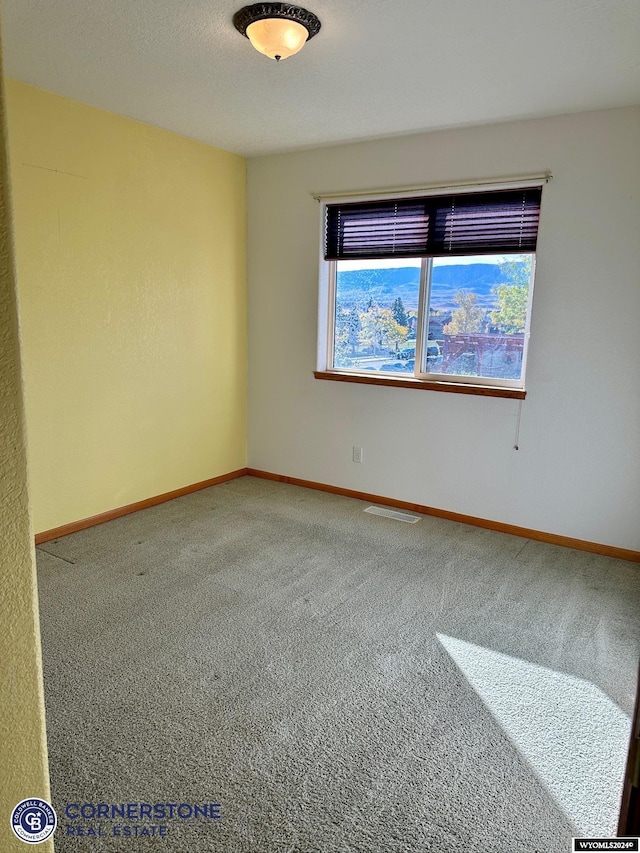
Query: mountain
x=384, y=285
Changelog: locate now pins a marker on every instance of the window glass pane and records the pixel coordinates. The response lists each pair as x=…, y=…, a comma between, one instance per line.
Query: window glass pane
x=478, y=316
x=376, y=315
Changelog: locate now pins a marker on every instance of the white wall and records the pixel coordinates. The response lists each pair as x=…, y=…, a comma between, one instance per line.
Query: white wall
x=577, y=472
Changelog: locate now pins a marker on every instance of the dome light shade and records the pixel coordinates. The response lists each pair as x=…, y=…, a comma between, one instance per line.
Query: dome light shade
x=276, y=29
x=277, y=38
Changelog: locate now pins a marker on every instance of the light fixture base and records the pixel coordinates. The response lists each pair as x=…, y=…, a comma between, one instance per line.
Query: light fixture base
x=261, y=11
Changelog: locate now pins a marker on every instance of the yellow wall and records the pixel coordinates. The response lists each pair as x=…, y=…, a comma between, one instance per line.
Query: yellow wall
x=131, y=247
x=23, y=753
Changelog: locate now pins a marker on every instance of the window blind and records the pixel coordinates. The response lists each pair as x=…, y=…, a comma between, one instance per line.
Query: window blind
x=461, y=224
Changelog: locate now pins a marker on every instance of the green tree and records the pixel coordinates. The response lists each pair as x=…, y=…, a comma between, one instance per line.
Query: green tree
x=346, y=333
x=467, y=317
x=516, y=269
x=395, y=333
x=353, y=327
x=379, y=330
x=399, y=313
x=510, y=315
x=341, y=336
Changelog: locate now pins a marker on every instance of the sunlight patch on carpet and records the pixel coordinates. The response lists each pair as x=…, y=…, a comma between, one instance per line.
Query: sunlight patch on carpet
x=571, y=733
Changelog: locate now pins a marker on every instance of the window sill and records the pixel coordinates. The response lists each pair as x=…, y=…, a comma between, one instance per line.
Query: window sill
x=423, y=384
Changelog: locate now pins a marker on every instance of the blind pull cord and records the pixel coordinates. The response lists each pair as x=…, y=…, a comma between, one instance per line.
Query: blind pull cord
x=516, y=445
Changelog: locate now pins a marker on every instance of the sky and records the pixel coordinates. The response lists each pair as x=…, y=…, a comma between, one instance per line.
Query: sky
x=396, y=263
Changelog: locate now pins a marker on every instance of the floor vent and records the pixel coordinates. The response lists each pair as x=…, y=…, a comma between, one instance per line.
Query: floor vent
x=391, y=513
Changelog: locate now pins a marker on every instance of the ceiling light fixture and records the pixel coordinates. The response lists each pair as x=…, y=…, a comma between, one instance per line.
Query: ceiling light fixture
x=276, y=29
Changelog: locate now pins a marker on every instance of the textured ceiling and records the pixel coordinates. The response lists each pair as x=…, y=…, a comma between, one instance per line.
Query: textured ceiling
x=377, y=67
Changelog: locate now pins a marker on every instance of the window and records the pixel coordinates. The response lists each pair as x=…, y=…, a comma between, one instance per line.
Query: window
x=435, y=289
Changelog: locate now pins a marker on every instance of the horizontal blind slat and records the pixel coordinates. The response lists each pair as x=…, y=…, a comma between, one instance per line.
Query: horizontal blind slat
x=479, y=223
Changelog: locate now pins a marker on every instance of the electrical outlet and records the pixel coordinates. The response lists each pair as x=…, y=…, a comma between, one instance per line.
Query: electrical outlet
x=357, y=454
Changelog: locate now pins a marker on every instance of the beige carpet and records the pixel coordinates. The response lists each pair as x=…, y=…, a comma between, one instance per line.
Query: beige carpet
x=335, y=680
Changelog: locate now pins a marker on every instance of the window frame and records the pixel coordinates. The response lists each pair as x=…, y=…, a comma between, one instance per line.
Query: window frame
x=457, y=383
